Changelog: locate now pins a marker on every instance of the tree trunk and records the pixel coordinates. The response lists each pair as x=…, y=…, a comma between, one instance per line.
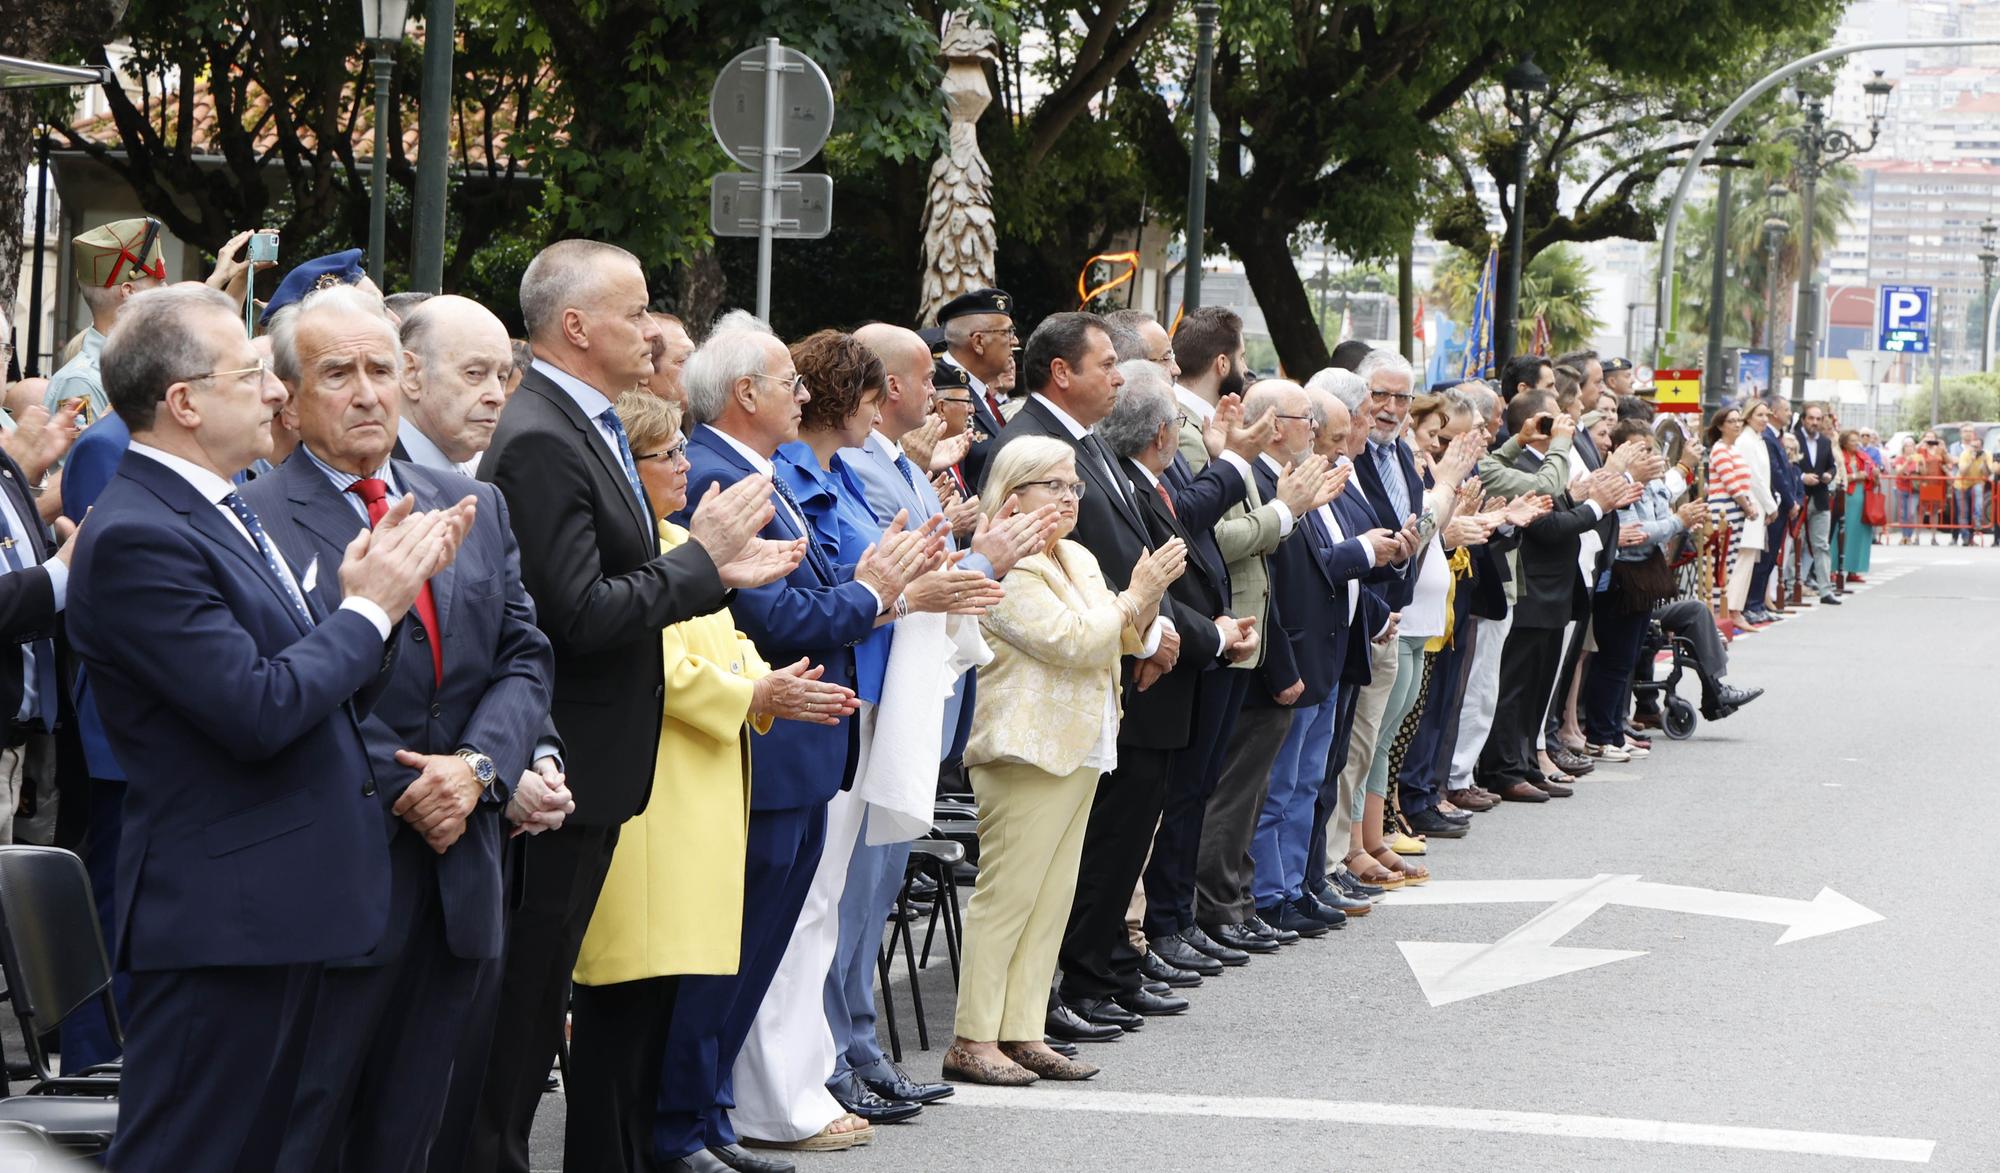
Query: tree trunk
x=702, y=290
x=1281, y=294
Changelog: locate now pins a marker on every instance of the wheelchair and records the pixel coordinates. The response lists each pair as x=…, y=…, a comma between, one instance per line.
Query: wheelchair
x=1677, y=714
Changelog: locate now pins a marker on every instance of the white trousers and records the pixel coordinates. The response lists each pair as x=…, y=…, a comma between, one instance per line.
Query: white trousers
x=780, y=1075
x=1482, y=692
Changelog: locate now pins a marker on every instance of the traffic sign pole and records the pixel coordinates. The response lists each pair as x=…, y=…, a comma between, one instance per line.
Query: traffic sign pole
x=767, y=220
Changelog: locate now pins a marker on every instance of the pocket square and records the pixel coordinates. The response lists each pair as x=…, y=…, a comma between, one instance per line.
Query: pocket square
x=311, y=577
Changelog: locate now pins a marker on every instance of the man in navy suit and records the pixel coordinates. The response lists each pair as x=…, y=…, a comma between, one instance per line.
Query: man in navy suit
x=253, y=848
x=1789, y=491
x=743, y=388
x=447, y=742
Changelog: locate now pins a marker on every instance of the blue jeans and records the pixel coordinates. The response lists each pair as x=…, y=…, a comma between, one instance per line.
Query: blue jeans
x=1285, y=825
x=874, y=876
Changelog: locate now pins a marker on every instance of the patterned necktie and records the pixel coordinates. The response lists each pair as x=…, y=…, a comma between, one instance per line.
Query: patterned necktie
x=609, y=418
x=374, y=493
x=1391, y=471
x=241, y=509
x=1161, y=489
x=909, y=473
x=814, y=554
x=1092, y=445
x=43, y=650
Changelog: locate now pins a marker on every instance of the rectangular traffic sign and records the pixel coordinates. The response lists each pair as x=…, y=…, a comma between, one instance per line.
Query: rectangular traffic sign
x=805, y=205
x=1903, y=319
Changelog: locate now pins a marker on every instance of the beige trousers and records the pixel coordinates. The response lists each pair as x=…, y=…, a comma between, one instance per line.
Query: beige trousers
x=1369, y=708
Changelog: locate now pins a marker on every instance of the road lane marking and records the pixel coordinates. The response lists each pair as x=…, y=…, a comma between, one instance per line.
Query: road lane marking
x=1773, y=1140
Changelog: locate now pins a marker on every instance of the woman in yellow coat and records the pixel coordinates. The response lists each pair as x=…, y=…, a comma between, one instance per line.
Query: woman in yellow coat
x=1045, y=728
x=672, y=902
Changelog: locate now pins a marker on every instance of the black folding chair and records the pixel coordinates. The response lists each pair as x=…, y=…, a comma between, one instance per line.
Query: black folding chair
x=52, y=956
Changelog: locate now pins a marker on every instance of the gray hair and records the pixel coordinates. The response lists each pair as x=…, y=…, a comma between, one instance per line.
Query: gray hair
x=1475, y=399
x=1265, y=395
x=729, y=354
x=1342, y=384
x=1385, y=360
x=1123, y=326
x=1145, y=404
x=343, y=299
x=405, y=303
x=740, y=320
x=154, y=345
x=562, y=276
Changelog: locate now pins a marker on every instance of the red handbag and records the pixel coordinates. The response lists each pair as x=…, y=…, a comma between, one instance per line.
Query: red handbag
x=1874, y=510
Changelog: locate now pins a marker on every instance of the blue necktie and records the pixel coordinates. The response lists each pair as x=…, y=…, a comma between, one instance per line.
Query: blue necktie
x=909, y=475
x=241, y=509
x=609, y=418
x=43, y=651
x=813, y=553
x=1392, y=481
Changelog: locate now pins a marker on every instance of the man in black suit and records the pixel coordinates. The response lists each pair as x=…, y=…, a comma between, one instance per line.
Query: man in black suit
x=1789, y=495
x=980, y=337
x=446, y=743
x=1071, y=370
x=590, y=558
x=1100, y=967
x=1816, y=470
x=1551, y=594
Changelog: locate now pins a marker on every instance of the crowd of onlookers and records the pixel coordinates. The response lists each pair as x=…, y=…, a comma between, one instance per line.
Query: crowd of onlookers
x=426, y=701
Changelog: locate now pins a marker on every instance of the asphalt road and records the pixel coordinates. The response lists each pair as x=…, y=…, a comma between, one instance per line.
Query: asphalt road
x=1711, y=1048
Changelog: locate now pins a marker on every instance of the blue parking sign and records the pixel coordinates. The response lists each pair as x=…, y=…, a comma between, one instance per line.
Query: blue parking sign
x=1903, y=318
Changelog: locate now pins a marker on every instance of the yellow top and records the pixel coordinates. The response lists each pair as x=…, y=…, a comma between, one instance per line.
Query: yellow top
x=673, y=900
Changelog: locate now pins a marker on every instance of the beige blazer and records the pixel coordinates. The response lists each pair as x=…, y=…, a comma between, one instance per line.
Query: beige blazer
x=1245, y=536
x=1057, y=638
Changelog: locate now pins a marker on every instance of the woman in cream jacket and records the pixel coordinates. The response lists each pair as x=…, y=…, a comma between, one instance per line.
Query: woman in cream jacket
x=1757, y=530
x=672, y=902
x=1046, y=727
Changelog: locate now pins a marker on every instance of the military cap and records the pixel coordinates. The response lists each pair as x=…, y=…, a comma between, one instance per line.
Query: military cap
x=947, y=376
x=123, y=250
x=1613, y=365
x=933, y=337
x=342, y=268
x=979, y=301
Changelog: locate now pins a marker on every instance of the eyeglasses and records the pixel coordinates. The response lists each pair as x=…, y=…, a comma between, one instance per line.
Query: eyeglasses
x=798, y=382
x=1006, y=332
x=1386, y=396
x=963, y=401
x=1182, y=420
x=262, y=368
x=669, y=455
x=1162, y=359
x=1073, y=489
x=1304, y=419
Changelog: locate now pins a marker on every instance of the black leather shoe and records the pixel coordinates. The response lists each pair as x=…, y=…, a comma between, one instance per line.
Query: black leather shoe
x=1066, y=1050
x=896, y=1084
x=1264, y=928
x=1331, y=908
x=859, y=1099
x=1829, y=600
x=1726, y=700
x=1065, y=1025
x=1351, y=888
x=1159, y=969
x=1177, y=951
x=1433, y=825
x=1148, y=1004
x=699, y=1161
x=1105, y=1012
x=1462, y=817
x=1156, y=987
x=744, y=1161
x=1239, y=937
x=1288, y=916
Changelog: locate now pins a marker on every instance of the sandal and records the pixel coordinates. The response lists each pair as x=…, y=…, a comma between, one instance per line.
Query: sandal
x=1412, y=873
x=1370, y=872
x=826, y=1140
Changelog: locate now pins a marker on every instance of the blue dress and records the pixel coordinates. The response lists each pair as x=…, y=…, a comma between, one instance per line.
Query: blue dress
x=836, y=507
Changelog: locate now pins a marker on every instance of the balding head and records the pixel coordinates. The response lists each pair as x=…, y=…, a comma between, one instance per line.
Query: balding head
x=906, y=363
x=1292, y=438
x=1334, y=420
x=457, y=361
x=584, y=303
x=25, y=393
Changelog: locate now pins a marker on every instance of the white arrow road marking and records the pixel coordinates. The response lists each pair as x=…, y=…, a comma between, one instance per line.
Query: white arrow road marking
x=1451, y=971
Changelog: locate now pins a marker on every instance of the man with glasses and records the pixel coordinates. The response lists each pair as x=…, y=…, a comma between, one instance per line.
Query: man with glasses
x=980, y=339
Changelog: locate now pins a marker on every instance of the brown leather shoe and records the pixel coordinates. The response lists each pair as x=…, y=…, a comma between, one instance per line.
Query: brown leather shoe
x=1522, y=792
x=1470, y=800
x=1047, y=1064
x=963, y=1066
x=1552, y=789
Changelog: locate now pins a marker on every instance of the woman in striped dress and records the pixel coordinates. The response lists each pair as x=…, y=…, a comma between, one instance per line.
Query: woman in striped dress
x=1729, y=500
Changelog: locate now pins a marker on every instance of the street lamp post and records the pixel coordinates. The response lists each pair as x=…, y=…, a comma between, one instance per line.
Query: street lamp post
x=1521, y=84
x=1989, y=238
x=1204, y=58
x=1775, y=228
x=1819, y=149
x=382, y=24
x=433, y=148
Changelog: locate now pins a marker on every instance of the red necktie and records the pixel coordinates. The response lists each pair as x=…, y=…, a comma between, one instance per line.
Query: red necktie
x=993, y=401
x=1162, y=491
x=374, y=493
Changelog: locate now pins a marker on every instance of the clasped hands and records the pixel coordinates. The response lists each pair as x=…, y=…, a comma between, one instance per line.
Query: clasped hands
x=445, y=793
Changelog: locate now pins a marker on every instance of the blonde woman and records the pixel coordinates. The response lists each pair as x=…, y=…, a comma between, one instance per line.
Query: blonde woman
x=672, y=903
x=1757, y=530
x=1046, y=727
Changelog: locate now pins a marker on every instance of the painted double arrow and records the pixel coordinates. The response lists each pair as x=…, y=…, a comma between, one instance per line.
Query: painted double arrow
x=1451, y=971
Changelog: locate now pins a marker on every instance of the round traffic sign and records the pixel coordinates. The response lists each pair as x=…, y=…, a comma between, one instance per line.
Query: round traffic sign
x=805, y=109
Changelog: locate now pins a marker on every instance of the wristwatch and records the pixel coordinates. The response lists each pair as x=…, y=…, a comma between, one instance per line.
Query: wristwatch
x=485, y=772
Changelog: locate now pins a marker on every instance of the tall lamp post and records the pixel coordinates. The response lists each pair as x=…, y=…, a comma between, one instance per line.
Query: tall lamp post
x=1989, y=253
x=1775, y=228
x=1204, y=59
x=1521, y=84
x=382, y=24
x=1819, y=149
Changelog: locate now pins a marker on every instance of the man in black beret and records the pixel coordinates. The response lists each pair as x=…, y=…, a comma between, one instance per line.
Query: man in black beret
x=979, y=339
x=1618, y=376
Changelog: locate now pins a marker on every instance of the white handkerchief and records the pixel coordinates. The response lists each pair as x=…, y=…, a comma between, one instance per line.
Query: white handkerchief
x=311, y=577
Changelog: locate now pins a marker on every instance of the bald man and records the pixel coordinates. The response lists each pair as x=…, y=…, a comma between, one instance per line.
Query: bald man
x=457, y=364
